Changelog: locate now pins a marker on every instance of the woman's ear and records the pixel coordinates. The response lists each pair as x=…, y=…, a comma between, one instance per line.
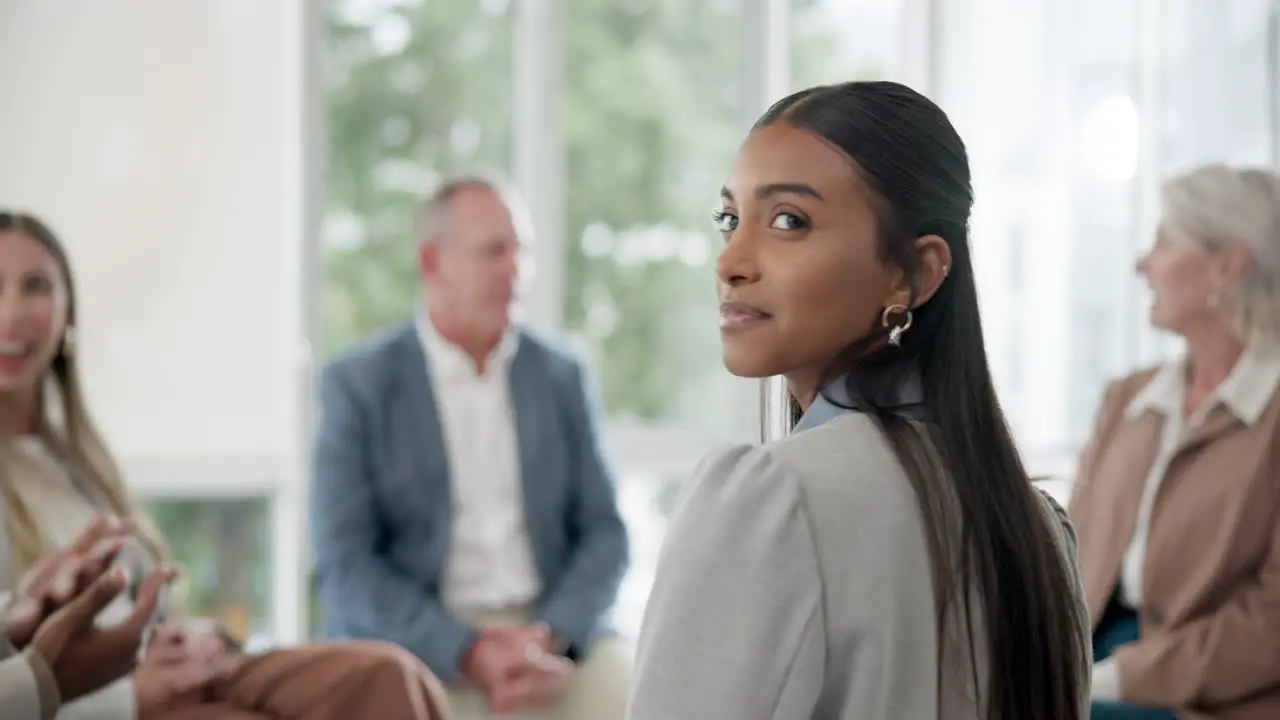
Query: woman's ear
x=935, y=264
x=916, y=289
x=1231, y=262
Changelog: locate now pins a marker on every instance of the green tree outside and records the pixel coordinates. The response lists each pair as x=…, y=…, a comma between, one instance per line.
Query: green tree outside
x=652, y=115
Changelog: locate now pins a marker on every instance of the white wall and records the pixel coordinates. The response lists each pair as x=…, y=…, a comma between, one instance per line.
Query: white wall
x=163, y=141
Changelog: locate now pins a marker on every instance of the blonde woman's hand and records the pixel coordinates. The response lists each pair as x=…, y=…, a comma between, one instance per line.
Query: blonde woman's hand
x=175, y=671
x=56, y=580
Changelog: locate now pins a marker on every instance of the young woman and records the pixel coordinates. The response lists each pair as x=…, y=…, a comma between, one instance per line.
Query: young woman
x=890, y=559
x=57, y=476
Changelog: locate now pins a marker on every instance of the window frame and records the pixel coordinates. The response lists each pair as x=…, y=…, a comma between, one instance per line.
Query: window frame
x=639, y=449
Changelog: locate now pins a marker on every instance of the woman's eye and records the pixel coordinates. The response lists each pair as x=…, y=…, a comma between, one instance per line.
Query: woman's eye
x=787, y=221
x=725, y=222
x=36, y=285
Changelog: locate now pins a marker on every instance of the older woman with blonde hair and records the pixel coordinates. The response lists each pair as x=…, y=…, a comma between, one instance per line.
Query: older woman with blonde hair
x=57, y=476
x=1177, y=497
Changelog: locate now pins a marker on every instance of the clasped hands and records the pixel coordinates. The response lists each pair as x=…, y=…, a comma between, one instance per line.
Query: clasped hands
x=516, y=667
x=53, y=614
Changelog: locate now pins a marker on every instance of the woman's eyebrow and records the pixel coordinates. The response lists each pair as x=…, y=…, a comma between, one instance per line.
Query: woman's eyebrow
x=783, y=188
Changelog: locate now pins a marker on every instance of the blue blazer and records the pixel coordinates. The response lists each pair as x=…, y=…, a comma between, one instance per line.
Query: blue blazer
x=381, y=505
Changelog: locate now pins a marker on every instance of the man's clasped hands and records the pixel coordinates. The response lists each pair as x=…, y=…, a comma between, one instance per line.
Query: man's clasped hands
x=516, y=667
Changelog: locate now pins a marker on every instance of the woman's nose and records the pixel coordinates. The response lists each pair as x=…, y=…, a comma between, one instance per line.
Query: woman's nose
x=737, y=263
x=10, y=308
x=15, y=310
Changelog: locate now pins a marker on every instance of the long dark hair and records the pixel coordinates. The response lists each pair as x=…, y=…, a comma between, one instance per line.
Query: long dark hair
x=968, y=478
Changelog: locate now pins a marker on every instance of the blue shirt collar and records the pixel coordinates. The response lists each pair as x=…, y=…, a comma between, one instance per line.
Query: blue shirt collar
x=893, y=389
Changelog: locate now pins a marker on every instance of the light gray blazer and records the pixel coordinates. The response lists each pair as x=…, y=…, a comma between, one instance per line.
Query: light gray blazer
x=795, y=584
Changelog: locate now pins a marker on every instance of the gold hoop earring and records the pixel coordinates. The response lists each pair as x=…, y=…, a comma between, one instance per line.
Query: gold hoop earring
x=896, y=331
x=69, y=342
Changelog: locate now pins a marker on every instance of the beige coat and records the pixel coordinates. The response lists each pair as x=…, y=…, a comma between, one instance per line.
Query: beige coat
x=1210, y=621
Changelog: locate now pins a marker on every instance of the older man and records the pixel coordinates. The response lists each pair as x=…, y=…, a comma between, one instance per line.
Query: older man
x=463, y=505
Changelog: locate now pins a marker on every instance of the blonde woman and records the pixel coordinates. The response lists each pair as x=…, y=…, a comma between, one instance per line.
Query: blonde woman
x=1176, y=499
x=57, y=476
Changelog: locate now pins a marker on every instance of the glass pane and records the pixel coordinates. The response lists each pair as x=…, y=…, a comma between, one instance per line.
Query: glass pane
x=224, y=550
x=1215, y=77
x=1062, y=197
x=1216, y=85
x=647, y=502
x=653, y=112
x=1055, y=227
x=837, y=40
x=415, y=90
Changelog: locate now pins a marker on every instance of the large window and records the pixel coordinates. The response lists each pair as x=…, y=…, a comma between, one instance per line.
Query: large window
x=652, y=114
x=1068, y=146
x=413, y=91
x=836, y=41
x=644, y=107
x=1054, y=149
x=416, y=90
x=1215, y=81
x=619, y=121
x=655, y=104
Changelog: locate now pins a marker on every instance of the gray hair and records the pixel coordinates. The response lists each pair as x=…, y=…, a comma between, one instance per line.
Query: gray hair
x=435, y=213
x=1217, y=206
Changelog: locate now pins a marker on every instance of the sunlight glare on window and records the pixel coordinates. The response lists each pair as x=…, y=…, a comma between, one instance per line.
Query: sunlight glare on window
x=1110, y=136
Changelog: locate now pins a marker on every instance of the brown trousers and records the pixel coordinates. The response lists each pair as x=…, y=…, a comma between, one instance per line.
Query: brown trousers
x=324, y=681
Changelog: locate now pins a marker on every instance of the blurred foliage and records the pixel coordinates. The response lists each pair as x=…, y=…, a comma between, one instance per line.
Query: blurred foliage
x=224, y=549
x=652, y=112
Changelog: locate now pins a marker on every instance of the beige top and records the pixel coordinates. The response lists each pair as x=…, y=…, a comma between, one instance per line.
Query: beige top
x=796, y=583
x=63, y=510
x=60, y=509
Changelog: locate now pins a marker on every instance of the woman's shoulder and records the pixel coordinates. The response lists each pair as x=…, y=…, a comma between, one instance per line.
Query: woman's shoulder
x=839, y=487
x=847, y=459
x=1056, y=516
x=1120, y=391
x=743, y=476
x=840, y=470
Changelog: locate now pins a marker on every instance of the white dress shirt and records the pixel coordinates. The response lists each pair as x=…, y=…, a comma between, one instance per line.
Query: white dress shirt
x=490, y=564
x=1246, y=393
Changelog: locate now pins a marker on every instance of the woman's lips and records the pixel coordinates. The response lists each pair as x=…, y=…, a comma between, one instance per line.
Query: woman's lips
x=736, y=315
